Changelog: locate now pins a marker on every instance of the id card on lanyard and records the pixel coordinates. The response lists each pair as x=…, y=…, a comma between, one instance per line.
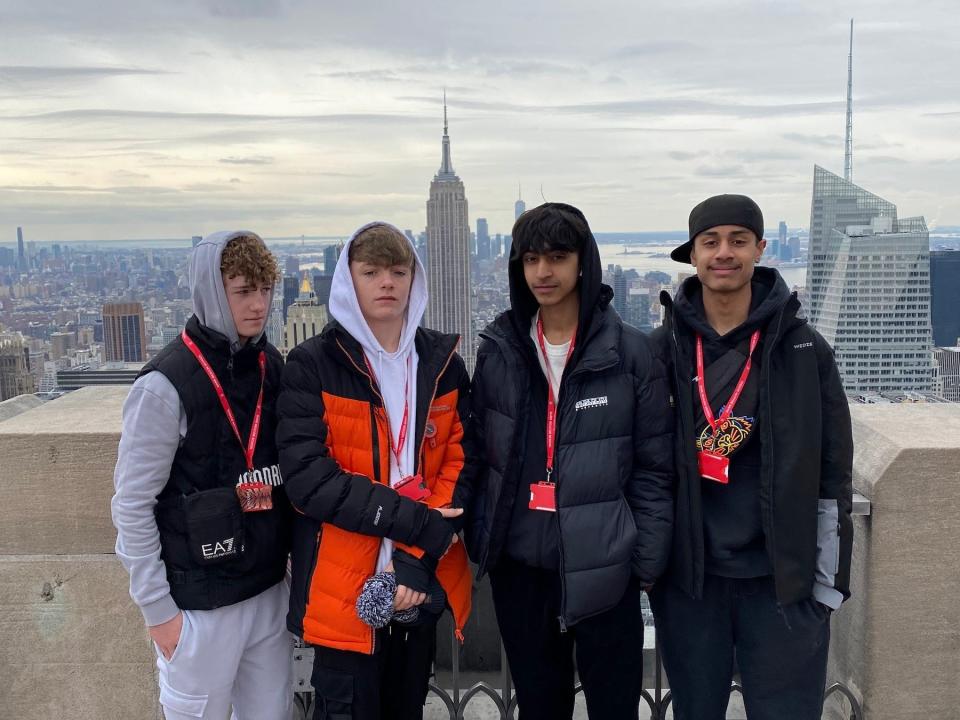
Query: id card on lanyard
x=712, y=465
x=543, y=495
x=411, y=485
x=253, y=496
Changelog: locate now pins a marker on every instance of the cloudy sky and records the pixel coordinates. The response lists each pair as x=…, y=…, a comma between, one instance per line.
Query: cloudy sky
x=168, y=118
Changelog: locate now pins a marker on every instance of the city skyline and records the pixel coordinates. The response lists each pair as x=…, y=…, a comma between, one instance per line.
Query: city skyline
x=140, y=120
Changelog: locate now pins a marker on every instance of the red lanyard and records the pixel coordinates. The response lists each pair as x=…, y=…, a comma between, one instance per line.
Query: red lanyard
x=551, y=403
x=741, y=383
x=397, y=447
x=251, y=445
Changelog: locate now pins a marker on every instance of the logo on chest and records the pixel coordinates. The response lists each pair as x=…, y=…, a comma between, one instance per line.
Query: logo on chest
x=594, y=402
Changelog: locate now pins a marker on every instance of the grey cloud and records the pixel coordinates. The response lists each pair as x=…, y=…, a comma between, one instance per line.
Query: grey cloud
x=123, y=115
x=251, y=160
x=680, y=155
x=824, y=141
x=653, y=48
x=20, y=74
x=720, y=171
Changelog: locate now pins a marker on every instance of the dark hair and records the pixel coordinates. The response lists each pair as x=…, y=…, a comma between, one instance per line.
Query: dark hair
x=551, y=226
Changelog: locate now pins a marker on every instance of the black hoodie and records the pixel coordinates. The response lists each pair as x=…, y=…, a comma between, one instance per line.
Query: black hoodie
x=734, y=543
x=614, y=462
x=803, y=436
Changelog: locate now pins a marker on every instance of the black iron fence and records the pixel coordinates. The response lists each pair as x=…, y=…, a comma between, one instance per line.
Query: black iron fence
x=457, y=699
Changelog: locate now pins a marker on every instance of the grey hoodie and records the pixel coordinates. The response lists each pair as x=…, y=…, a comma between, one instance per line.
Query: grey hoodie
x=154, y=422
x=394, y=371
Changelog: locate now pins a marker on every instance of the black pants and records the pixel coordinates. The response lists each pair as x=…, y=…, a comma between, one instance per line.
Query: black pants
x=781, y=653
x=391, y=684
x=608, y=647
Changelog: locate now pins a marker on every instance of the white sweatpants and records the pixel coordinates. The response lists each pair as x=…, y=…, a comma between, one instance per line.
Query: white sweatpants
x=239, y=656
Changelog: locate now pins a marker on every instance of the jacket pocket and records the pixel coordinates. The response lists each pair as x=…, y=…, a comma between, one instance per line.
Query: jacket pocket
x=828, y=541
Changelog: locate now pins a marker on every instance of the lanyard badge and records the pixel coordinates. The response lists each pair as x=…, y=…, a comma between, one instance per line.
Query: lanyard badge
x=543, y=495
x=253, y=496
x=712, y=460
x=412, y=485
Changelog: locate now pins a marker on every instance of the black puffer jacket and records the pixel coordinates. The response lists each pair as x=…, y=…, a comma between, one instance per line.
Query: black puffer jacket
x=806, y=452
x=614, y=457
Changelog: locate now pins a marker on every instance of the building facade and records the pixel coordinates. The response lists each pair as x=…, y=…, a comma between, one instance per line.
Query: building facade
x=868, y=279
x=15, y=376
x=448, y=255
x=945, y=297
x=124, y=334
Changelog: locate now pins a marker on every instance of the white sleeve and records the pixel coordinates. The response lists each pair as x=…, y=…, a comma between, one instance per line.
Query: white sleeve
x=153, y=423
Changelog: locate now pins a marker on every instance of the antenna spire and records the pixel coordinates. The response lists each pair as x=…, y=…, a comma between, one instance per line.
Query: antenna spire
x=848, y=146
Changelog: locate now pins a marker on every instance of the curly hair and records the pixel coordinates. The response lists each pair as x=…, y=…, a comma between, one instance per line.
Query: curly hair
x=247, y=256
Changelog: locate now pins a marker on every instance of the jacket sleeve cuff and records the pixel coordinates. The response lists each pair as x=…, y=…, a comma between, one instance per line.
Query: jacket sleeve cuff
x=159, y=611
x=435, y=537
x=831, y=597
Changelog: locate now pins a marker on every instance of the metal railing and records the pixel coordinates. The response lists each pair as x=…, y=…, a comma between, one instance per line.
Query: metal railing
x=457, y=700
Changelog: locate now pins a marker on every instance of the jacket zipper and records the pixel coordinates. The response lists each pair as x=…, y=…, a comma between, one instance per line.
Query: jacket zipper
x=563, y=583
x=768, y=471
x=433, y=396
x=682, y=405
x=376, y=456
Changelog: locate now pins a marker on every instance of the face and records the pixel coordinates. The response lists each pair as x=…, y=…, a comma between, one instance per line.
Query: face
x=551, y=275
x=249, y=305
x=383, y=292
x=724, y=257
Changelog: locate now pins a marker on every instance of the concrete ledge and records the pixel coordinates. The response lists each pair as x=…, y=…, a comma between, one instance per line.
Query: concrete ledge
x=72, y=644
x=58, y=474
x=19, y=404
x=897, y=641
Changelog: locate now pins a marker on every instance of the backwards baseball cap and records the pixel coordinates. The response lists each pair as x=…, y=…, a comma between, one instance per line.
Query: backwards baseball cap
x=720, y=210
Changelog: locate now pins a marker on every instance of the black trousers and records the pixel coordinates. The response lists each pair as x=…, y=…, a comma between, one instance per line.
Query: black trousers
x=608, y=647
x=391, y=684
x=781, y=653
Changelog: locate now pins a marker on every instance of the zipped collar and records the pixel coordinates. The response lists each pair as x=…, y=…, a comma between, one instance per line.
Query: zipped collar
x=597, y=351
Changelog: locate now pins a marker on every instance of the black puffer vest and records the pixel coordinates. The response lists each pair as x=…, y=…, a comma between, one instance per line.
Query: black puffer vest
x=211, y=457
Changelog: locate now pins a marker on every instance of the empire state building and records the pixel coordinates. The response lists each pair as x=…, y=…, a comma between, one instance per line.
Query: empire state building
x=448, y=254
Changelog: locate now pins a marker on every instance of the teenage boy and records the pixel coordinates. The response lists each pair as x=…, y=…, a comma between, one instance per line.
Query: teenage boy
x=371, y=437
x=573, y=510
x=202, y=518
x=762, y=542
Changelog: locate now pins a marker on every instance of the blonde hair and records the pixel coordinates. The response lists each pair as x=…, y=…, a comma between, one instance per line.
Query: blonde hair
x=382, y=245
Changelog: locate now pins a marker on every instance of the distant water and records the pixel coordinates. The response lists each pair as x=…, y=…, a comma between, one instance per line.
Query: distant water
x=647, y=258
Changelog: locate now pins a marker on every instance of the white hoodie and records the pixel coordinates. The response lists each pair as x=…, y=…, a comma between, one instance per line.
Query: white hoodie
x=393, y=371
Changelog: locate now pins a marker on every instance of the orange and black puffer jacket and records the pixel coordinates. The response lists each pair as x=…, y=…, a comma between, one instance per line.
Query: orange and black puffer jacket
x=332, y=435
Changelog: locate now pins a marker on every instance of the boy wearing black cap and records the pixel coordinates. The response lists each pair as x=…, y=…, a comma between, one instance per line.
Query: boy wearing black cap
x=573, y=506
x=762, y=534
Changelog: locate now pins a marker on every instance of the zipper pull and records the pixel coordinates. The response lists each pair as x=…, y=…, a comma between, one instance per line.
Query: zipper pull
x=563, y=624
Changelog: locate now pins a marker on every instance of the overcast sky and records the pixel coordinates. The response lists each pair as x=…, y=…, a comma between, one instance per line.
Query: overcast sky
x=168, y=118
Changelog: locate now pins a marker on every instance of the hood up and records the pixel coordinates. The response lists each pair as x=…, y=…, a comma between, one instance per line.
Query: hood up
x=206, y=287
x=594, y=294
x=769, y=294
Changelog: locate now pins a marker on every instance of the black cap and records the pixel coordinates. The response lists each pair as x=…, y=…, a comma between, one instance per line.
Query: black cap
x=720, y=210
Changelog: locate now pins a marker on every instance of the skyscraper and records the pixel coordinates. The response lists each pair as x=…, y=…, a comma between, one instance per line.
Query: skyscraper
x=275, y=321
x=306, y=318
x=448, y=253
x=331, y=254
x=21, y=252
x=483, y=239
x=868, y=278
x=945, y=297
x=780, y=251
x=15, y=376
x=124, y=336
x=519, y=207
